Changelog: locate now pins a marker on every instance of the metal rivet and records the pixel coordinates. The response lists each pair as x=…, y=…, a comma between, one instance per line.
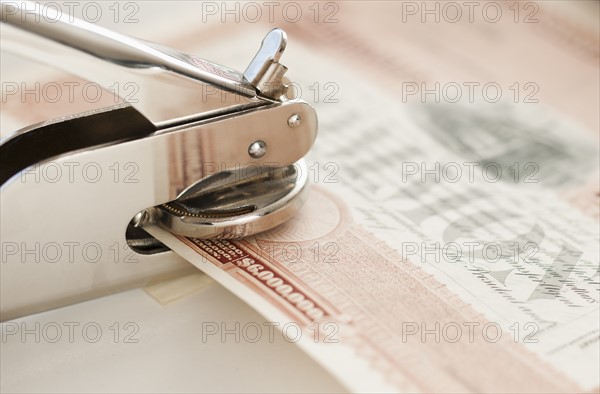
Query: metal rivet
x=294, y=120
x=257, y=149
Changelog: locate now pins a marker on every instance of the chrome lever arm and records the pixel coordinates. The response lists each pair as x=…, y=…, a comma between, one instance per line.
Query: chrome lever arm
x=103, y=56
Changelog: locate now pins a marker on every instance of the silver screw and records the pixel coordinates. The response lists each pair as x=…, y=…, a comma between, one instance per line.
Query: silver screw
x=257, y=149
x=294, y=120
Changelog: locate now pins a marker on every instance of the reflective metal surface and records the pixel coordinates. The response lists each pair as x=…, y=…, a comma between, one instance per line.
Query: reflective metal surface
x=40, y=142
x=155, y=161
x=196, y=87
x=93, y=213
x=227, y=204
x=264, y=71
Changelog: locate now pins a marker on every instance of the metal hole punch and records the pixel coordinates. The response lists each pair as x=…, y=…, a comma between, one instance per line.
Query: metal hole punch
x=217, y=153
